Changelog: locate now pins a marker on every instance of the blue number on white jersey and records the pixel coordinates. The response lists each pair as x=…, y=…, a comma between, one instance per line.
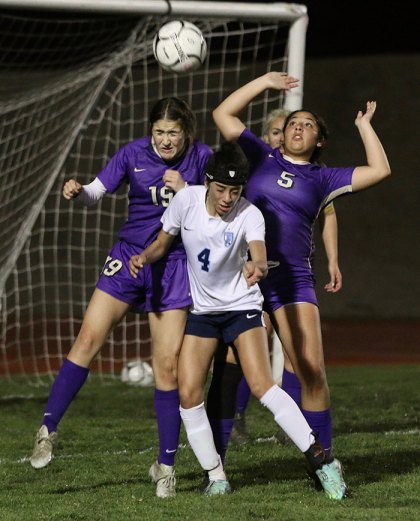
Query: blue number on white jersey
x=204, y=258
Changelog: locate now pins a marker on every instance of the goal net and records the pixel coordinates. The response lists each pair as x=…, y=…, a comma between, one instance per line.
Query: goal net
x=75, y=87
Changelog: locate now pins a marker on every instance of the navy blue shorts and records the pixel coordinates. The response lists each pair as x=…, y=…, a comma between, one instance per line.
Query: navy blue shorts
x=226, y=326
x=158, y=287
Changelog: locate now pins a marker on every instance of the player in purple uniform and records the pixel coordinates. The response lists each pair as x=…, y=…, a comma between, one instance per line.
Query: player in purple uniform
x=155, y=167
x=291, y=188
x=218, y=228
x=273, y=135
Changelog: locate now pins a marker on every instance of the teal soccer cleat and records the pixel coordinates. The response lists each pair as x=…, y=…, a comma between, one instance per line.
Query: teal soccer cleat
x=331, y=478
x=217, y=488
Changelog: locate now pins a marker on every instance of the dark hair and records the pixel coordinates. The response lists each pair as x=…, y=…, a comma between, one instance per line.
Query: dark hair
x=228, y=166
x=175, y=109
x=322, y=131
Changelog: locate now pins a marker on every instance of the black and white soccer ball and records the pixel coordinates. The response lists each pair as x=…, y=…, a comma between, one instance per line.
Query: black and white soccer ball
x=179, y=46
x=138, y=373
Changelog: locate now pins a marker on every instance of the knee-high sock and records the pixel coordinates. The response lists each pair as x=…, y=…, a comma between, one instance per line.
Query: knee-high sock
x=199, y=435
x=242, y=396
x=67, y=384
x=169, y=424
x=291, y=384
x=288, y=415
x=221, y=403
x=321, y=424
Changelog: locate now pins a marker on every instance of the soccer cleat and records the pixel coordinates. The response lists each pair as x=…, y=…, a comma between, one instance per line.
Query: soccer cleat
x=43, y=448
x=217, y=488
x=239, y=433
x=164, y=477
x=331, y=478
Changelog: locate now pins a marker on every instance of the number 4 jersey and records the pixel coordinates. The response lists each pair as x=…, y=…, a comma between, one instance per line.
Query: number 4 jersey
x=217, y=249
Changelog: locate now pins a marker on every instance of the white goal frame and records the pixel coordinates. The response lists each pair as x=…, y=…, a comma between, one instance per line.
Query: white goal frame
x=296, y=14
x=13, y=309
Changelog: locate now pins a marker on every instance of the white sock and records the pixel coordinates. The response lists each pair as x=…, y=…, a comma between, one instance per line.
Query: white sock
x=200, y=436
x=288, y=415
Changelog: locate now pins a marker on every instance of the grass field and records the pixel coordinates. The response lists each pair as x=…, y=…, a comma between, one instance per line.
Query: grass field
x=108, y=441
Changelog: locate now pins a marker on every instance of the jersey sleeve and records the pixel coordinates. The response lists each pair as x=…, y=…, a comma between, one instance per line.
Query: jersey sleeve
x=253, y=147
x=115, y=171
x=255, y=225
x=173, y=215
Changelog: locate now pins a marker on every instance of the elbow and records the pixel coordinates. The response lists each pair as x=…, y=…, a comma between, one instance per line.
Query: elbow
x=215, y=115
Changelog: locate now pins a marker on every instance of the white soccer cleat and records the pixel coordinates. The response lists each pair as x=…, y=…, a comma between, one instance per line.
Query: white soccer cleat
x=43, y=448
x=164, y=477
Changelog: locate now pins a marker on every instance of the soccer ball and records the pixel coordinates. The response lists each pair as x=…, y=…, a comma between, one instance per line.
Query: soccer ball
x=137, y=372
x=179, y=46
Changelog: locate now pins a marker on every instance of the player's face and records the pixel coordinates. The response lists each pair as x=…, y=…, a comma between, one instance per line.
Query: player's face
x=168, y=138
x=301, y=136
x=222, y=198
x=274, y=136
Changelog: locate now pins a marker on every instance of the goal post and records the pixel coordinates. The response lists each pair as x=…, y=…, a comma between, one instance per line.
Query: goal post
x=75, y=85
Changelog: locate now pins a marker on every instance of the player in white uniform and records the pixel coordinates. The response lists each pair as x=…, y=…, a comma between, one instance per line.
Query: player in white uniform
x=218, y=229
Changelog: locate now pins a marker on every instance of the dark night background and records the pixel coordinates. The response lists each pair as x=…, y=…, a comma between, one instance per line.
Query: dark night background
x=357, y=52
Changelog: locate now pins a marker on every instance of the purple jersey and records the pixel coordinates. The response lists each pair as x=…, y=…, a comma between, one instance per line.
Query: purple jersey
x=290, y=195
x=142, y=168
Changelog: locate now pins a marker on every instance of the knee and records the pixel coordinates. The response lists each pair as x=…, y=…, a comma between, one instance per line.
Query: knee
x=87, y=343
x=189, y=398
x=313, y=376
x=258, y=389
x=165, y=370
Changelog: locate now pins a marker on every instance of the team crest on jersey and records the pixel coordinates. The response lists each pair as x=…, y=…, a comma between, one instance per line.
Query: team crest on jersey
x=228, y=238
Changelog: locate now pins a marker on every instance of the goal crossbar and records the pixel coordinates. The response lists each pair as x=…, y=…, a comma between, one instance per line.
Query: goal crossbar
x=240, y=10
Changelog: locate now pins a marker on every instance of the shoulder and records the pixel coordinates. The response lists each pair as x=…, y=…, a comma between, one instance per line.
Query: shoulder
x=142, y=142
x=132, y=148
x=249, y=209
x=190, y=194
x=201, y=149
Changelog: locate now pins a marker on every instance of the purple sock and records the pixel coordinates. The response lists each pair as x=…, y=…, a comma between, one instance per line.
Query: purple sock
x=320, y=423
x=242, y=395
x=67, y=384
x=221, y=432
x=291, y=385
x=169, y=424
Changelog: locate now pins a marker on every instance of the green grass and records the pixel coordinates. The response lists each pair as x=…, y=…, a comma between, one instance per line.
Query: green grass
x=108, y=441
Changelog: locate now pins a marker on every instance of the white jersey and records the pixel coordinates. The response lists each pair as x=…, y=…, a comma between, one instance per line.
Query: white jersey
x=217, y=249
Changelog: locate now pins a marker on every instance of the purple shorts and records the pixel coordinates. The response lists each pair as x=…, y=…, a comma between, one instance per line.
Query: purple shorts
x=287, y=285
x=227, y=326
x=158, y=287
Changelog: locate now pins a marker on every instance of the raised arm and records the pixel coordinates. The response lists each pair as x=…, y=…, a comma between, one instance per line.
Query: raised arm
x=226, y=115
x=155, y=251
x=377, y=167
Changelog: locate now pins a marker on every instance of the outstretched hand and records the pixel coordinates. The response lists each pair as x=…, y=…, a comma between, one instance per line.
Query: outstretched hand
x=367, y=116
x=281, y=81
